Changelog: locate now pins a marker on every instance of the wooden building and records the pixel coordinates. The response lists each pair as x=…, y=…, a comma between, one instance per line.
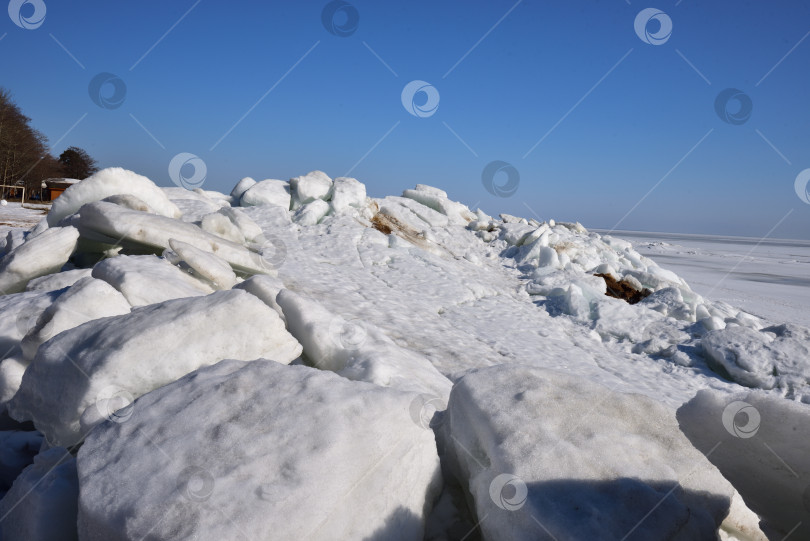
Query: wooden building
x=55, y=186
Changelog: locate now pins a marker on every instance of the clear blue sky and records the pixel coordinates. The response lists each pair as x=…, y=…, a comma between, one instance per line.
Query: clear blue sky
x=644, y=108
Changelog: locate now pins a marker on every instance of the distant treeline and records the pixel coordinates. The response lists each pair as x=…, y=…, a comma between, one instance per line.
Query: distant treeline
x=25, y=158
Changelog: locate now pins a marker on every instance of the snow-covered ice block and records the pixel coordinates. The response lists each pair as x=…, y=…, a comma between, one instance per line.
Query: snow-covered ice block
x=670, y=302
x=514, y=234
x=129, y=201
x=414, y=214
x=220, y=225
x=205, y=265
x=617, y=319
x=152, y=231
x=267, y=192
x=433, y=198
x=241, y=187
x=11, y=372
x=13, y=238
x=347, y=193
x=81, y=373
x=311, y=213
x=195, y=208
x=548, y=455
x=17, y=451
x=266, y=288
x=43, y=503
x=38, y=256
x=773, y=358
x=249, y=228
x=107, y=182
x=260, y=450
x=761, y=443
x=358, y=350
x=59, y=280
x=314, y=185
x=269, y=218
x=18, y=315
x=84, y=301
x=148, y=279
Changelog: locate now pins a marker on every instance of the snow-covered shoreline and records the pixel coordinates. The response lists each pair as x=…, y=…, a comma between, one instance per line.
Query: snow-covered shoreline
x=476, y=362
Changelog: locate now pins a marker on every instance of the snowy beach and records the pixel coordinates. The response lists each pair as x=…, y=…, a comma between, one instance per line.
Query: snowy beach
x=296, y=357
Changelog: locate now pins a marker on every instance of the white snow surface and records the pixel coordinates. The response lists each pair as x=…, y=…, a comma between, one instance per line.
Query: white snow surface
x=357, y=350
x=409, y=293
x=147, y=279
x=76, y=377
x=84, y=301
x=759, y=442
x=16, y=217
x=43, y=503
x=267, y=192
x=107, y=182
x=254, y=448
x=41, y=255
x=588, y=453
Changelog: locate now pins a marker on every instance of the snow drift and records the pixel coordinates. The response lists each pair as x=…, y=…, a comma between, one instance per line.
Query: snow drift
x=252, y=448
x=156, y=335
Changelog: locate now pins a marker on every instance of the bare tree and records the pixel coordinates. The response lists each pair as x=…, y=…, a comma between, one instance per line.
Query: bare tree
x=22, y=148
x=25, y=159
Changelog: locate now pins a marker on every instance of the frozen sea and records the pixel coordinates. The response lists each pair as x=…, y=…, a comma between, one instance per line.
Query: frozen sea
x=769, y=278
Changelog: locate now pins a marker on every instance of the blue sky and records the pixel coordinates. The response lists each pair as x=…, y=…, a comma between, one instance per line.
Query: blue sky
x=628, y=131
